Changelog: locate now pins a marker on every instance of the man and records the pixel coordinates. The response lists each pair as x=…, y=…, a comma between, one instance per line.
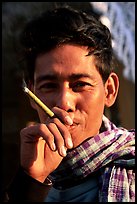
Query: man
x=78, y=155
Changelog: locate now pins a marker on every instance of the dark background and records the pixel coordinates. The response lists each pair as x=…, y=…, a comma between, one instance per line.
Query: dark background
x=16, y=110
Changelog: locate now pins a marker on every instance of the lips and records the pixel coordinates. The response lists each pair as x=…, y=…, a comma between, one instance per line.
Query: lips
x=74, y=125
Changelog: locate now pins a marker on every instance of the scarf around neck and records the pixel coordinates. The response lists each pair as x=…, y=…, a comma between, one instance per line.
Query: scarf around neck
x=113, y=146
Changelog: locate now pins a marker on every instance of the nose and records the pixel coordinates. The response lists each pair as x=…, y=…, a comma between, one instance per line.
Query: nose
x=66, y=99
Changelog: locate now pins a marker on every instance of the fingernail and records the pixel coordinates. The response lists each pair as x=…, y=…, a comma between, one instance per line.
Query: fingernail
x=63, y=151
x=70, y=144
x=68, y=120
x=53, y=146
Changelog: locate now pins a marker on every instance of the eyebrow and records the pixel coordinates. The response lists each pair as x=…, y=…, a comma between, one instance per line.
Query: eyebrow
x=72, y=77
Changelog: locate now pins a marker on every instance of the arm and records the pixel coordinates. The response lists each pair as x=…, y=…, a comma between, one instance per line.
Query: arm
x=38, y=160
x=27, y=189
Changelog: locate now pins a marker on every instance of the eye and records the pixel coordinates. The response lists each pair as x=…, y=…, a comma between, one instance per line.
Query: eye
x=49, y=86
x=81, y=86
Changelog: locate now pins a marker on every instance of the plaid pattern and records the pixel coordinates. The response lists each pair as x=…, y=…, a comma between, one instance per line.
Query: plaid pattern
x=111, y=152
x=118, y=185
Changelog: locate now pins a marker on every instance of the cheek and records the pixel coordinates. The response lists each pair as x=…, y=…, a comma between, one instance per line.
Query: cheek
x=48, y=100
x=93, y=107
x=42, y=115
x=94, y=101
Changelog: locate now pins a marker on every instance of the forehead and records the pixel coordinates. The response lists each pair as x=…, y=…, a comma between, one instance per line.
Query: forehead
x=64, y=61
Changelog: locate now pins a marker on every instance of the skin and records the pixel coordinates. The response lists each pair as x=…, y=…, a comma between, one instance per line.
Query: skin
x=67, y=81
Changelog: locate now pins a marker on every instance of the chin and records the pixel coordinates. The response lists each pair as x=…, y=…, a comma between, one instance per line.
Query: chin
x=77, y=139
x=79, y=136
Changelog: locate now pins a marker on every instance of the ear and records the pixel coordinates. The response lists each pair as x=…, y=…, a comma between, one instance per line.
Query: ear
x=31, y=88
x=111, y=89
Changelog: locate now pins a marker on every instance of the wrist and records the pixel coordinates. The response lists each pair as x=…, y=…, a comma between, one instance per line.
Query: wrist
x=41, y=179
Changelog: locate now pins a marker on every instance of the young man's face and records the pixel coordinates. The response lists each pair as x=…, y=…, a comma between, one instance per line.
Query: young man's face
x=65, y=77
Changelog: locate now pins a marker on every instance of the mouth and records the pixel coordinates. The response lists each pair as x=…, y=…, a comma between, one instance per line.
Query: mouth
x=73, y=126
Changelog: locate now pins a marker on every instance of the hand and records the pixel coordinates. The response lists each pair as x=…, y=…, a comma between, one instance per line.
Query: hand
x=43, y=146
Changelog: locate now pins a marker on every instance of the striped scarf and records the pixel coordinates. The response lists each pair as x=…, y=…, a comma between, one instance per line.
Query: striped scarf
x=112, y=153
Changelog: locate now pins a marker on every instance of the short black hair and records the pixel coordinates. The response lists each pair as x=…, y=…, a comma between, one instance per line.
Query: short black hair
x=66, y=25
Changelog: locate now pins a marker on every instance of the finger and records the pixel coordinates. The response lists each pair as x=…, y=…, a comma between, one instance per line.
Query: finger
x=32, y=134
x=63, y=116
x=65, y=134
x=59, y=140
